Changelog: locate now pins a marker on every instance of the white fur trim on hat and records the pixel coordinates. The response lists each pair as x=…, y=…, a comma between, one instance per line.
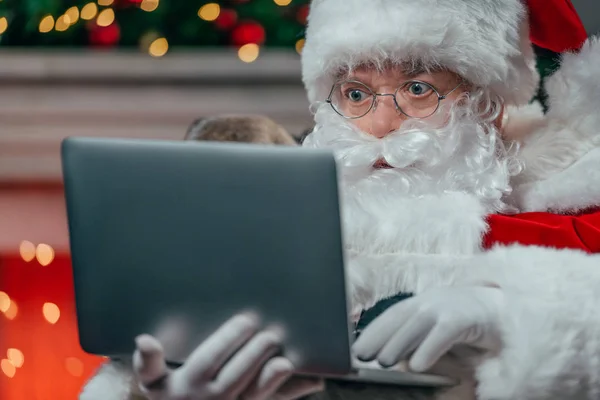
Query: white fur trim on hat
x=484, y=41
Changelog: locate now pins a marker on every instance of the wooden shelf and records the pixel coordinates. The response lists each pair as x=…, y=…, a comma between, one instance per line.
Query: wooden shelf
x=45, y=97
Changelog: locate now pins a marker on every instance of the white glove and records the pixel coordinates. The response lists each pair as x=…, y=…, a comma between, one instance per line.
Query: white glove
x=430, y=324
x=237, y=361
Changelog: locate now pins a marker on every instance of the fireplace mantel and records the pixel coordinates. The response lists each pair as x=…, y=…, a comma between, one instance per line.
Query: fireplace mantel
x=46, y=96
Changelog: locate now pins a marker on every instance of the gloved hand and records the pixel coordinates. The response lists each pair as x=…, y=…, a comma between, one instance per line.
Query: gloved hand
x=430, y=324
x=236, y=362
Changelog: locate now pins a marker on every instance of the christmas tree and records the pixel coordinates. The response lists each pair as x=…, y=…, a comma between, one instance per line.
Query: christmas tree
x=153, y=25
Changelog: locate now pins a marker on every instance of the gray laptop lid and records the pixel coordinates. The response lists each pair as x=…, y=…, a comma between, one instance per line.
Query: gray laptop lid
x=194, y=232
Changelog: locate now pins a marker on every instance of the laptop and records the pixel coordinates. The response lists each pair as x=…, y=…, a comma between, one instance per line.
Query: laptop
x=183, y=235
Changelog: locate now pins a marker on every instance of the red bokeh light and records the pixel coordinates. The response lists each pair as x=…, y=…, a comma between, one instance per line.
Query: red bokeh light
x=302, y=14
x=248, y=32
x=104, y=36
x=226, y=20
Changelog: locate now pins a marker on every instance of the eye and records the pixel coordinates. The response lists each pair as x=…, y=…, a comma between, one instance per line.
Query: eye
x=356, y=95
x=418, y=89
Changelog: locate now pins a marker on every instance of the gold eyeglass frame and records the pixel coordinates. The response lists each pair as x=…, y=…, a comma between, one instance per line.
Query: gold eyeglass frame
x=393, y=95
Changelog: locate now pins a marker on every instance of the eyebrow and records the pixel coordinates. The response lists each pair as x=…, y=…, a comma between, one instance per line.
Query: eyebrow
x=413, y=69
x=409, y=69
x=352, y=77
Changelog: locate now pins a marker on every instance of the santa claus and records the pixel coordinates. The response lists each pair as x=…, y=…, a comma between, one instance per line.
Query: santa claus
x=456, y=193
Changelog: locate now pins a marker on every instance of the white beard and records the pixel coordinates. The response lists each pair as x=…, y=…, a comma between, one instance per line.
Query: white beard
x=443, y=177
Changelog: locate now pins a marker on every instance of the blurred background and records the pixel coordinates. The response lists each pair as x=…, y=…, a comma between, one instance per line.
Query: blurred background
x=112, y=68
x=118, y=68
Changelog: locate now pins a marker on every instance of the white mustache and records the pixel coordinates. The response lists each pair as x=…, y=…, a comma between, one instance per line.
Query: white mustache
x=412, y=144
x=399, y=149
x=461, y=154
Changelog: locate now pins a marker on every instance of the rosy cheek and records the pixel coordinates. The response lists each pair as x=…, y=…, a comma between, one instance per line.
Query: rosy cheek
x=361, y=123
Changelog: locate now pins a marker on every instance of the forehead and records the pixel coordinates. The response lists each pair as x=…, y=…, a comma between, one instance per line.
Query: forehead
x=374, y=75
x=373, y=72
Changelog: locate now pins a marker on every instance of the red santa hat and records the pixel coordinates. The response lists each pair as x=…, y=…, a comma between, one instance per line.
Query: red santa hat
x=485, y=41
x=555, y=25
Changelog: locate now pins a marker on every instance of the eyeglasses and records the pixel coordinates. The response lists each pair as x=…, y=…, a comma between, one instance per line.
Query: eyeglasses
x=415, y=99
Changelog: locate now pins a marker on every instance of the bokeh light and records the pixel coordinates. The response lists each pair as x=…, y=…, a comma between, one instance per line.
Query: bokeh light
x=3, y=25
x=8, y=368
x=209, y=12
x=249, y=52
x=73, y=14
x=26, y=248
x=44, y=254
x=16, y=357
x=74, y=366
x=51, y=312
x=4, y=302
x=158, y=47
x=149, y=5
x=106, y=17
x=89, y=11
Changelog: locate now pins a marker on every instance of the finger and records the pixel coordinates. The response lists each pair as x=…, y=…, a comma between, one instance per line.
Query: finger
x=208, y=358
x=379, y=332
x=439, y=341
x=246, y=364
x=298, y=387
x=148, y=360
x=173, y=334
x=405, y=340
x=274, y=374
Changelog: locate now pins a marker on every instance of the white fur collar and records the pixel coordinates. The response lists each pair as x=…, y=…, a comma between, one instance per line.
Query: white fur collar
x=561, y=150
x=575, y=189
x=561, y=163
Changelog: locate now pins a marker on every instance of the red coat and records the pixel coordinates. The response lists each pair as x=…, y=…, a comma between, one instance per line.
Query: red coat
x=580, y=231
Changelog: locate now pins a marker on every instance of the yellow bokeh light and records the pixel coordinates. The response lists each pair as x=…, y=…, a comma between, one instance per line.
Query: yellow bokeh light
x=4, y=302
x=73, y=14
x=74, y=366
x=46, y=24
x=12, y=311
x=26, y=248
x=105, y=2
x=16, y=357
x=106, y=17
x=249, y=52
x=62, y=23
x=3, y=25
x=299, y=46
x=158, y=47
x=44, y=254
x=149, y=5
x=8, y=368
x=51, y=312
x=89, y=11
x=147, y=39
x=282, y=2
x=209, y=12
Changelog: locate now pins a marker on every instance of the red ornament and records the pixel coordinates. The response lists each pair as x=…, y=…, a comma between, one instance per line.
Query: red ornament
x=104, y=36
x=226, y=20
x=248, y=32
x=302, y=14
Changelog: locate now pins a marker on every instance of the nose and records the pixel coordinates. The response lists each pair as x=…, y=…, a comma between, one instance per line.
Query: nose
x=384, y=118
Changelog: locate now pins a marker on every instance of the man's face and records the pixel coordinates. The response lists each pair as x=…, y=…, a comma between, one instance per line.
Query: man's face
x=416, y=95
x=392, y=137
